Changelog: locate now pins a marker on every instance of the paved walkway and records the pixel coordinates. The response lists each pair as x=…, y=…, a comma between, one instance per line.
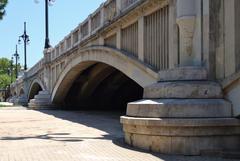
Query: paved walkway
x=27, y=135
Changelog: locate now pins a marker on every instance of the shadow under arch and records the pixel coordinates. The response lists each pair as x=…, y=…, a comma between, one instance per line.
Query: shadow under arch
x=85, y=59
x=21, y=93
x=35, y=87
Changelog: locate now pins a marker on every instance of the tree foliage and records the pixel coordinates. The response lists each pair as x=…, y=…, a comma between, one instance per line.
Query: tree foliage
x=6, y=73
x=3, y=4
x=5, y=80
x=5, y=64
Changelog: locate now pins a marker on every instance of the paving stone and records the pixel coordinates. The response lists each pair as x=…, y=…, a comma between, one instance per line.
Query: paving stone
x=27, y=135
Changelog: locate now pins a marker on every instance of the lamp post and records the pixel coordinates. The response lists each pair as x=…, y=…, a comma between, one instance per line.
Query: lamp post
x=11, y=69
x=16, y=55
x=26, y=40
x=47, y=41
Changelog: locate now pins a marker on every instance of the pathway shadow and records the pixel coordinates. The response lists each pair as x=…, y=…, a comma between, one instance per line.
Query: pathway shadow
x=54, y=137
x=108, y=121
x=120, y=142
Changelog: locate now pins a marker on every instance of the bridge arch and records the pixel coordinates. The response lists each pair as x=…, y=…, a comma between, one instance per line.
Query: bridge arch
x=102, y=57
x=21, y=92
x=35, y=86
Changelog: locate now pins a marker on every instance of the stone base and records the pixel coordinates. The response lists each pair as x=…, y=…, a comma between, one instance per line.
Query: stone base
x=19, y=101
x=182, y=136
x=41, y=101
x=183, y=73
x=180, y=108
x=183, y=113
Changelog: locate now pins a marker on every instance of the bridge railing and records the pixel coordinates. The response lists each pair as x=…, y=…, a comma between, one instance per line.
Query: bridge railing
x=17, y=84
x=38, y=66
x=102, y=16
x=125, y=4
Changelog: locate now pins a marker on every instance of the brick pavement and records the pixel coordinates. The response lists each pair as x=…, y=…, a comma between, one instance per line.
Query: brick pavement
x=27, y=135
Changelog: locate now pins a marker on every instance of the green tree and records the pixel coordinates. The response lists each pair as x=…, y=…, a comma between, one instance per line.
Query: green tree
x=3, y=4
x=6, y=73
x=4, y=65
x=5, y=80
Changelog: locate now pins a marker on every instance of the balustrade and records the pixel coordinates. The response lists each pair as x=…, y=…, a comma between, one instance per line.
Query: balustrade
x=110, y=11
x=36, y=68
x=75, y=36
x=69, y=42
x=127, y=3
x=105, y=14
x=155, y=48
x=84, y=29
x=96, y=21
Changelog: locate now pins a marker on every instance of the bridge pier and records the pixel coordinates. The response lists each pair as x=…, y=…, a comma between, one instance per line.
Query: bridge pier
x=185, y=112
x=41, y=101
x=19, y=100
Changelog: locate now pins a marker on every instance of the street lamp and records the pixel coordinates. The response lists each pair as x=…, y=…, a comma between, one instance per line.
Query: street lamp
x=10, y=72
x=47, y=41
x=11, y=69
x=16, y=55
x=26, y=40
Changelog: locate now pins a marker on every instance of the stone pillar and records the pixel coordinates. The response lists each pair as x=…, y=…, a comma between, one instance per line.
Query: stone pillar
x=173, y=35
x=186, y=20
x=89, y=25
x=102, y=14
x=46, y=75
x=118, y=6
x=141, y=38
x=119, y=38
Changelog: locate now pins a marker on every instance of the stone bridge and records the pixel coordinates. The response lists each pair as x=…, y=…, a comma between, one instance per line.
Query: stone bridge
x=177, y=59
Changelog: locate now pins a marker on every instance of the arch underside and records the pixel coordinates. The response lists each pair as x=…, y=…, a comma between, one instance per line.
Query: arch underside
x=102, y=86
x=35, y=88
x=91, y=79
x=21, y=93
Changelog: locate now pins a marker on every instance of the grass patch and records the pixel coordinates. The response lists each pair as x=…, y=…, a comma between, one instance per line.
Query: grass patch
x=3, y=105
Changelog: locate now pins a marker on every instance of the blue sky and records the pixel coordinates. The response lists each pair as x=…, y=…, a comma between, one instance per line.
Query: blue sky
x=64, y=16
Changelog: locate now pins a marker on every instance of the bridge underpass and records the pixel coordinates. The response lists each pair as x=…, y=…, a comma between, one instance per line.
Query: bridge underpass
x=35, y=89
x=101, y=87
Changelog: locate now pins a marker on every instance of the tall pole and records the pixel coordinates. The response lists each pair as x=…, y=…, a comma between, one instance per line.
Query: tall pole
x=16, y=55
x=11, y=68
x=25, y=38
x=25, y=47
x=47, y=44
